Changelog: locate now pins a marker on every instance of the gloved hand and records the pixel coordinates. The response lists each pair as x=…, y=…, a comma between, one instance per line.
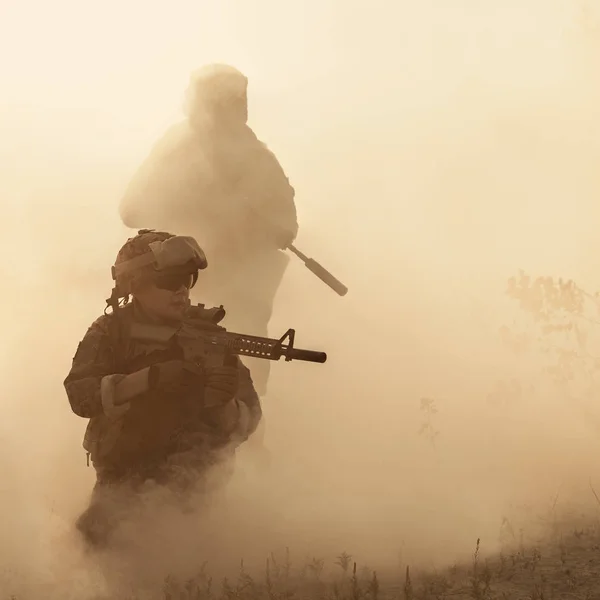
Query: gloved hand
x=284, y=238
x=269, y=228
x=221, y=385
x=171, y=375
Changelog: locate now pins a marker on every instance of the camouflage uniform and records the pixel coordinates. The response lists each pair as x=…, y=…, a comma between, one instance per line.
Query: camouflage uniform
x=162, y=436
x=211, y=177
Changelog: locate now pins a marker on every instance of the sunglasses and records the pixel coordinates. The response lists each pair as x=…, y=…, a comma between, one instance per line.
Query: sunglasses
x=175, y=281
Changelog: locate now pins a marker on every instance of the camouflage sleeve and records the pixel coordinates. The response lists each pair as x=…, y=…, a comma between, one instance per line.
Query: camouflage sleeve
x=249, y=402
x=91, y=363
x=278, y=201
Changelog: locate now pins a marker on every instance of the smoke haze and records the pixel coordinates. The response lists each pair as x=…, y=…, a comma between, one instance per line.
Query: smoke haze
x=435, y=147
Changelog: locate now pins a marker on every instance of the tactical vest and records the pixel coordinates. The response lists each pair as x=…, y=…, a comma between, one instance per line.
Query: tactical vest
x=156, y=424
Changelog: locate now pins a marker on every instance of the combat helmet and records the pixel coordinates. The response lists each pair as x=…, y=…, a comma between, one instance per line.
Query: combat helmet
x=216, y=89
x=151, y=253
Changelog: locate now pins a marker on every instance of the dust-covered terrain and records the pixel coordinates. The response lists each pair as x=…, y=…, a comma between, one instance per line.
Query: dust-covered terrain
x=436, y=148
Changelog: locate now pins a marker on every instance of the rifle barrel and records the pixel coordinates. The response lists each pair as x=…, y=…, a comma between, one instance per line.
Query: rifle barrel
x=320, y=271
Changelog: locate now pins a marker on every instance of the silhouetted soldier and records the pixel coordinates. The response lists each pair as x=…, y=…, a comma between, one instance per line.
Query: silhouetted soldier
x=211, y=177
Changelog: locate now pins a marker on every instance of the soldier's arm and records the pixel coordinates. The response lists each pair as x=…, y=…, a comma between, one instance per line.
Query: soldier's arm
x=92, y=362
x=238, y=418
x=278, y=202
x=248, y=403
x=93, y=388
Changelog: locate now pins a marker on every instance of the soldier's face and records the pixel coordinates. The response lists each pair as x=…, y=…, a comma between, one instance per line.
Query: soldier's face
x=231, y=108
x=239, y=108
x=166, y=298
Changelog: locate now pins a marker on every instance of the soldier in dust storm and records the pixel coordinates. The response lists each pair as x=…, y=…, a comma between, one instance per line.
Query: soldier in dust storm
x=153, y=415
x=211, y=177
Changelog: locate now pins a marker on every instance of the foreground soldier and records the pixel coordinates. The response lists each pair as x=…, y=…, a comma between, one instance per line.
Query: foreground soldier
x=146, y=406
x=211, y=177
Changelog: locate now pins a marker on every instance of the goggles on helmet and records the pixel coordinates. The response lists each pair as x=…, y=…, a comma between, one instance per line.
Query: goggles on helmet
x=179, y=255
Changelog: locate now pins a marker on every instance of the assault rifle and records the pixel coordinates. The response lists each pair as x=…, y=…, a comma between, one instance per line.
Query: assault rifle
x=310, y=263
x=320, y=271
x=204, y=342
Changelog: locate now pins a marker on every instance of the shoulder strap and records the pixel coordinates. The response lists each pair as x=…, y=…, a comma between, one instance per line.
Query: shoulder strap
x=116, y=330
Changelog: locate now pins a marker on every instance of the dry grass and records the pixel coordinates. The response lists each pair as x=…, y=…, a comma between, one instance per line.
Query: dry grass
x=564, y=566
x=567, y=567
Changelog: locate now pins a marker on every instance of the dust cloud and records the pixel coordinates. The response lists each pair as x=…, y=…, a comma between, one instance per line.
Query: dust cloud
x=436, y=148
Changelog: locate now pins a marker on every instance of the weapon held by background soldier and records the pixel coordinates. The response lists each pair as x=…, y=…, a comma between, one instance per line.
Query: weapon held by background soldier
x=310, y=263
x=321, y=272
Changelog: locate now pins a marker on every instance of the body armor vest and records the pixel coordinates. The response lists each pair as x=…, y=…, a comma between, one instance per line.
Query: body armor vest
x=157, y=424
